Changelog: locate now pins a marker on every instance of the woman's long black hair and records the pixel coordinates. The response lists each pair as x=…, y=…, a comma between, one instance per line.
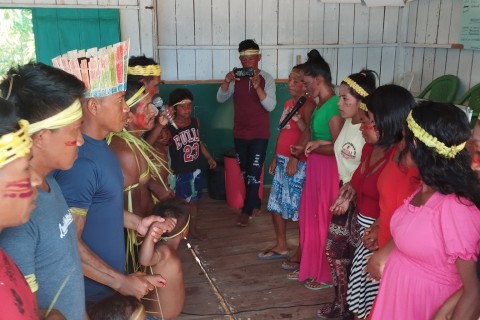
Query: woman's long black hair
x=390, y=105
x=449, y=125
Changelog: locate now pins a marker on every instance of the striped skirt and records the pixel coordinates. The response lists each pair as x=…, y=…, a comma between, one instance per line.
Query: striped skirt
x=361, y=292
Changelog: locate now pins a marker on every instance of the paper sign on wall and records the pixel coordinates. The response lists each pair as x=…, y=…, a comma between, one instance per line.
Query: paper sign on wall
x=470, y=27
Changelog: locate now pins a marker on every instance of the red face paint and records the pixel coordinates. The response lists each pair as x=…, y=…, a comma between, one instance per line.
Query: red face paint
x=368, y=126
x=72, y=143
x=476, y=159
x=141, y=115
x=184, y=110
x=21, y=189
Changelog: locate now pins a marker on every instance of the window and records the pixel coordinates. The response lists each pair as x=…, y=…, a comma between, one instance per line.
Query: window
x=17, y=43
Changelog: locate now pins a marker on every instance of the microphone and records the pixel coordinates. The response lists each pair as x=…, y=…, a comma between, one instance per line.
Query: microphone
x=158, y=103
x=301, y=101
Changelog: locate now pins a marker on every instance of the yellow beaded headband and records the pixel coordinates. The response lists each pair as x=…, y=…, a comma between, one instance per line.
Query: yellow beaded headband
x=431, y=141
x=59, y=120
x=363, y=106
x=137, y=97
x=15, y=145
x=251, y=52
x=179, y=232
x=146, y=71
x=358, y=89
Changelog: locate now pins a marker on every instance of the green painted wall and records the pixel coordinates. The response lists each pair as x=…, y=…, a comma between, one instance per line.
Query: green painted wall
x=60, y=30
x=216, y=120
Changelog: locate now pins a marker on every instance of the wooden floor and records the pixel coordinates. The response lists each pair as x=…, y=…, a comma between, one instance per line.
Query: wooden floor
x=242, y=287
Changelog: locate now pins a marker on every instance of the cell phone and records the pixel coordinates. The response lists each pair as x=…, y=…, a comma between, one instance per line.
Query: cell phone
x=244, y=72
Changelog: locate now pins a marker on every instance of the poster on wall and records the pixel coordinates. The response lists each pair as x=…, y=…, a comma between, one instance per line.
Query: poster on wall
x=470, y=27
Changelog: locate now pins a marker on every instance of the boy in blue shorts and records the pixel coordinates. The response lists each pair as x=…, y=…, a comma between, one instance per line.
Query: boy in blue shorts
x=185, y=151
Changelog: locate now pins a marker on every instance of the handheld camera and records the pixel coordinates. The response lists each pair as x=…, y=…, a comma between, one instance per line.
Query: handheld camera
x=244, y=72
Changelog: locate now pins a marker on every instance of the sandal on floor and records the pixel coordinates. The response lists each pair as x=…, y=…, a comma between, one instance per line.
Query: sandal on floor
x=290, y=265
x=293, y=275
x=272, y=255
x=314, y=285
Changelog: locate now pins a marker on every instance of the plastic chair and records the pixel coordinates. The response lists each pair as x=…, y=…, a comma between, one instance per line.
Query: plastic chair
x=442, y=89
x=471, y=98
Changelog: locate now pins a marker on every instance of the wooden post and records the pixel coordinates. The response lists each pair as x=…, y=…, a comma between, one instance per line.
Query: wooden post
x=299, y=59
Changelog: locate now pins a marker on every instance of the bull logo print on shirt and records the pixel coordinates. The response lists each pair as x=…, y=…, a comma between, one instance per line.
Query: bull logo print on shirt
x=188, y=140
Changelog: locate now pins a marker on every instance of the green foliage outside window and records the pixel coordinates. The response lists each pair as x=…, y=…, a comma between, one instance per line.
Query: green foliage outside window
x=17, y=43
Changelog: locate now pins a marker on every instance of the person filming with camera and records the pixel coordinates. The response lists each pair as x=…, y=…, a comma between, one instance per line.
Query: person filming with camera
x=253, y=99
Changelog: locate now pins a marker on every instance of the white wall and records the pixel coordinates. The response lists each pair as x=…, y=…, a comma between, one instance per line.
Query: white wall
x=434, y=25
x=198, y=39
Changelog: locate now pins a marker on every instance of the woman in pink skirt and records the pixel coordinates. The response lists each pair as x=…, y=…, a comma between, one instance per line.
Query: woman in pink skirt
x=322, y=180
x=436, y=232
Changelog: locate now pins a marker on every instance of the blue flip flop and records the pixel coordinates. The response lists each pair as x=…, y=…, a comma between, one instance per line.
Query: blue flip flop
x=272, y=255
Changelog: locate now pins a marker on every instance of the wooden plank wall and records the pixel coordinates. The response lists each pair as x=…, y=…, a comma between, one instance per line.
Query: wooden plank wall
x=198, y=39
x=389, y=40
x=434, y=25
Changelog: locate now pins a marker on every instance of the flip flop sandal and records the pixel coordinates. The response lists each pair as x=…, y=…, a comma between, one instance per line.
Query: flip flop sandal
x=290, y=265
x=314, y=285
x=272, y=255
x=293, y=275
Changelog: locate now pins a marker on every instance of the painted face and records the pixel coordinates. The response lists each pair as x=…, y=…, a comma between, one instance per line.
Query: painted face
x=144, y=116
x=184, y=110
x=476, y=156
x=113, y=112
x=18, y=192
x=347, y=104
x=367, y=127
x=152, y=86
x=310, y=85
x=295, y=85
x=474, y=148
x=62, y=144
x=250, y=61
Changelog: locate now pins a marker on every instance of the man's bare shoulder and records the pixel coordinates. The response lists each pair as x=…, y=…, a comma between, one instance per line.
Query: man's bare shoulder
x=119, y=145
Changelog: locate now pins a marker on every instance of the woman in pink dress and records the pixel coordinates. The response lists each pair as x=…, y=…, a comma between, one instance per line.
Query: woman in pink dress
x=436, y=232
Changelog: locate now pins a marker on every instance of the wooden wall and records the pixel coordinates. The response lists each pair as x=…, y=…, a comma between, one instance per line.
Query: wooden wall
x=198, y=39
x=433, y=26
